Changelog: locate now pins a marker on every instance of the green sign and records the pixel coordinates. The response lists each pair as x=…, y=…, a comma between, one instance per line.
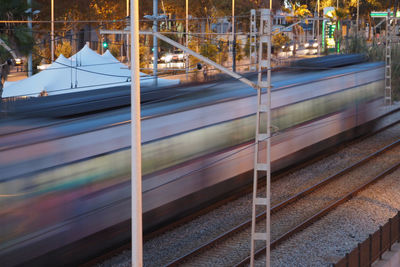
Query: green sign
x=383, y=14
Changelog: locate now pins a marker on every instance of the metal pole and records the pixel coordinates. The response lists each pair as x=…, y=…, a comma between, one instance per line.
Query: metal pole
x=52, y=30
x=136, y=174
x=30, y=31
x=187, y=40
x=155, y=48
x=318, y=39
x=126, y=36
x=358, y=14
x=233, y=38
x=262, y=164
x=127, y=42
x=268, y=189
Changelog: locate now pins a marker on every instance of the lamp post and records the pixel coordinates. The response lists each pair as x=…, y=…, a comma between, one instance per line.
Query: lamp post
x=358, y=14
x=136, y=174
x=30, y=14
x=187, y=39
x=233, y=38
x=30, y=31
x=155, y=45
x=318, y=41
x=52, y=31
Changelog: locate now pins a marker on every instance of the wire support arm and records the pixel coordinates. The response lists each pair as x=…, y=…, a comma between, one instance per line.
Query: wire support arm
x=204, y=59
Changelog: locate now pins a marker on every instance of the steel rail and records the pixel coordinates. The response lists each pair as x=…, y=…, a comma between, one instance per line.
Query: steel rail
x=291, y=200
x=321, y=213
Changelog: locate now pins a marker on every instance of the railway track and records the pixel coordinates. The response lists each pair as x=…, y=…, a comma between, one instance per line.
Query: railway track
x=313, y=214
x=239, y=234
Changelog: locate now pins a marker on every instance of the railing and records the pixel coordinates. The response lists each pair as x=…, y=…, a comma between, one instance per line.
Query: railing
x=372, y=249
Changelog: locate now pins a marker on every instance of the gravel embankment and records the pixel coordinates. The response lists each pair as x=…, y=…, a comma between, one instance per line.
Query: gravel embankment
x=229, y=252
x=329, y=239
x=162, y=249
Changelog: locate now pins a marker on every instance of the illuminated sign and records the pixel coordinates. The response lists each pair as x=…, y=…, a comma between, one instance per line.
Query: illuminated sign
x=328, y=29
x=383, y=14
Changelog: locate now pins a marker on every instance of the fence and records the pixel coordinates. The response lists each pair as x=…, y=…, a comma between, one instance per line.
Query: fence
x=372, y=249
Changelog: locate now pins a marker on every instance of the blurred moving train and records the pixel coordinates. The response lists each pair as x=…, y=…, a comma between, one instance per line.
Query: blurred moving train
x=66, y=179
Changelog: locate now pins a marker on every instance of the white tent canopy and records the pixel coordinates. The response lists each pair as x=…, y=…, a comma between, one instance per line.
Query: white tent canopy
x=86, y=70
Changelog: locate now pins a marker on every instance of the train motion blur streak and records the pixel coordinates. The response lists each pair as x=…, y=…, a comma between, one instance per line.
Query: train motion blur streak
x=64, y=181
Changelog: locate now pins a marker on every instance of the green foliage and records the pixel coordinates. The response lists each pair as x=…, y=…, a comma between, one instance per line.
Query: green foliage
x=144, y=55
x=279, y=40
x=38, y=57
x=239, y=50
x=223, y=53
x=115, y=49
x=4, y=54
x=64, y=48
x=194, y=45
x=298, y=12
x=247, y=47
x=356, y=45
x=209, y=50
x=17, y=36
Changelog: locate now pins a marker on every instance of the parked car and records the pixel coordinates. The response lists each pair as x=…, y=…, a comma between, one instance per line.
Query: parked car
x=311, y=44
x=178, y=55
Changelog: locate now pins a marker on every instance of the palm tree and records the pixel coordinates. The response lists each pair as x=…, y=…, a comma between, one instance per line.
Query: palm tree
x=338, y=16
x=298, y=13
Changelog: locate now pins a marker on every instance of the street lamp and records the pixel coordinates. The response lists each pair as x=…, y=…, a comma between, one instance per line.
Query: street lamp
x=30, y=14
x=318, y=41
x=52, y=31
x=136, y=174
x=187, y=39
x=233, y=37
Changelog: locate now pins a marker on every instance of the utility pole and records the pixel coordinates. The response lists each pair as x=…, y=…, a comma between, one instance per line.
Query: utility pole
x=233, y=38
x=52, y=31
x=155, y=46
x=30, y=32
x=136, y=173
x=262, y=165
x=318, y=40
x=253, y=40
x=187, y=39
x=358, y=14
x=128, y=27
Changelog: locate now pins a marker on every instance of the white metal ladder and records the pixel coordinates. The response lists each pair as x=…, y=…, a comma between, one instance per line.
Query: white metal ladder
x=388, y=63
x=253, y=40
x=262, y=163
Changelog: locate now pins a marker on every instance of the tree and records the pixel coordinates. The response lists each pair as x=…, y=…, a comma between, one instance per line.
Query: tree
x=64, y=48
x=278, y=41
x=298, y=12
x=339, y=15
x=366, y=7
x=17, y=36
